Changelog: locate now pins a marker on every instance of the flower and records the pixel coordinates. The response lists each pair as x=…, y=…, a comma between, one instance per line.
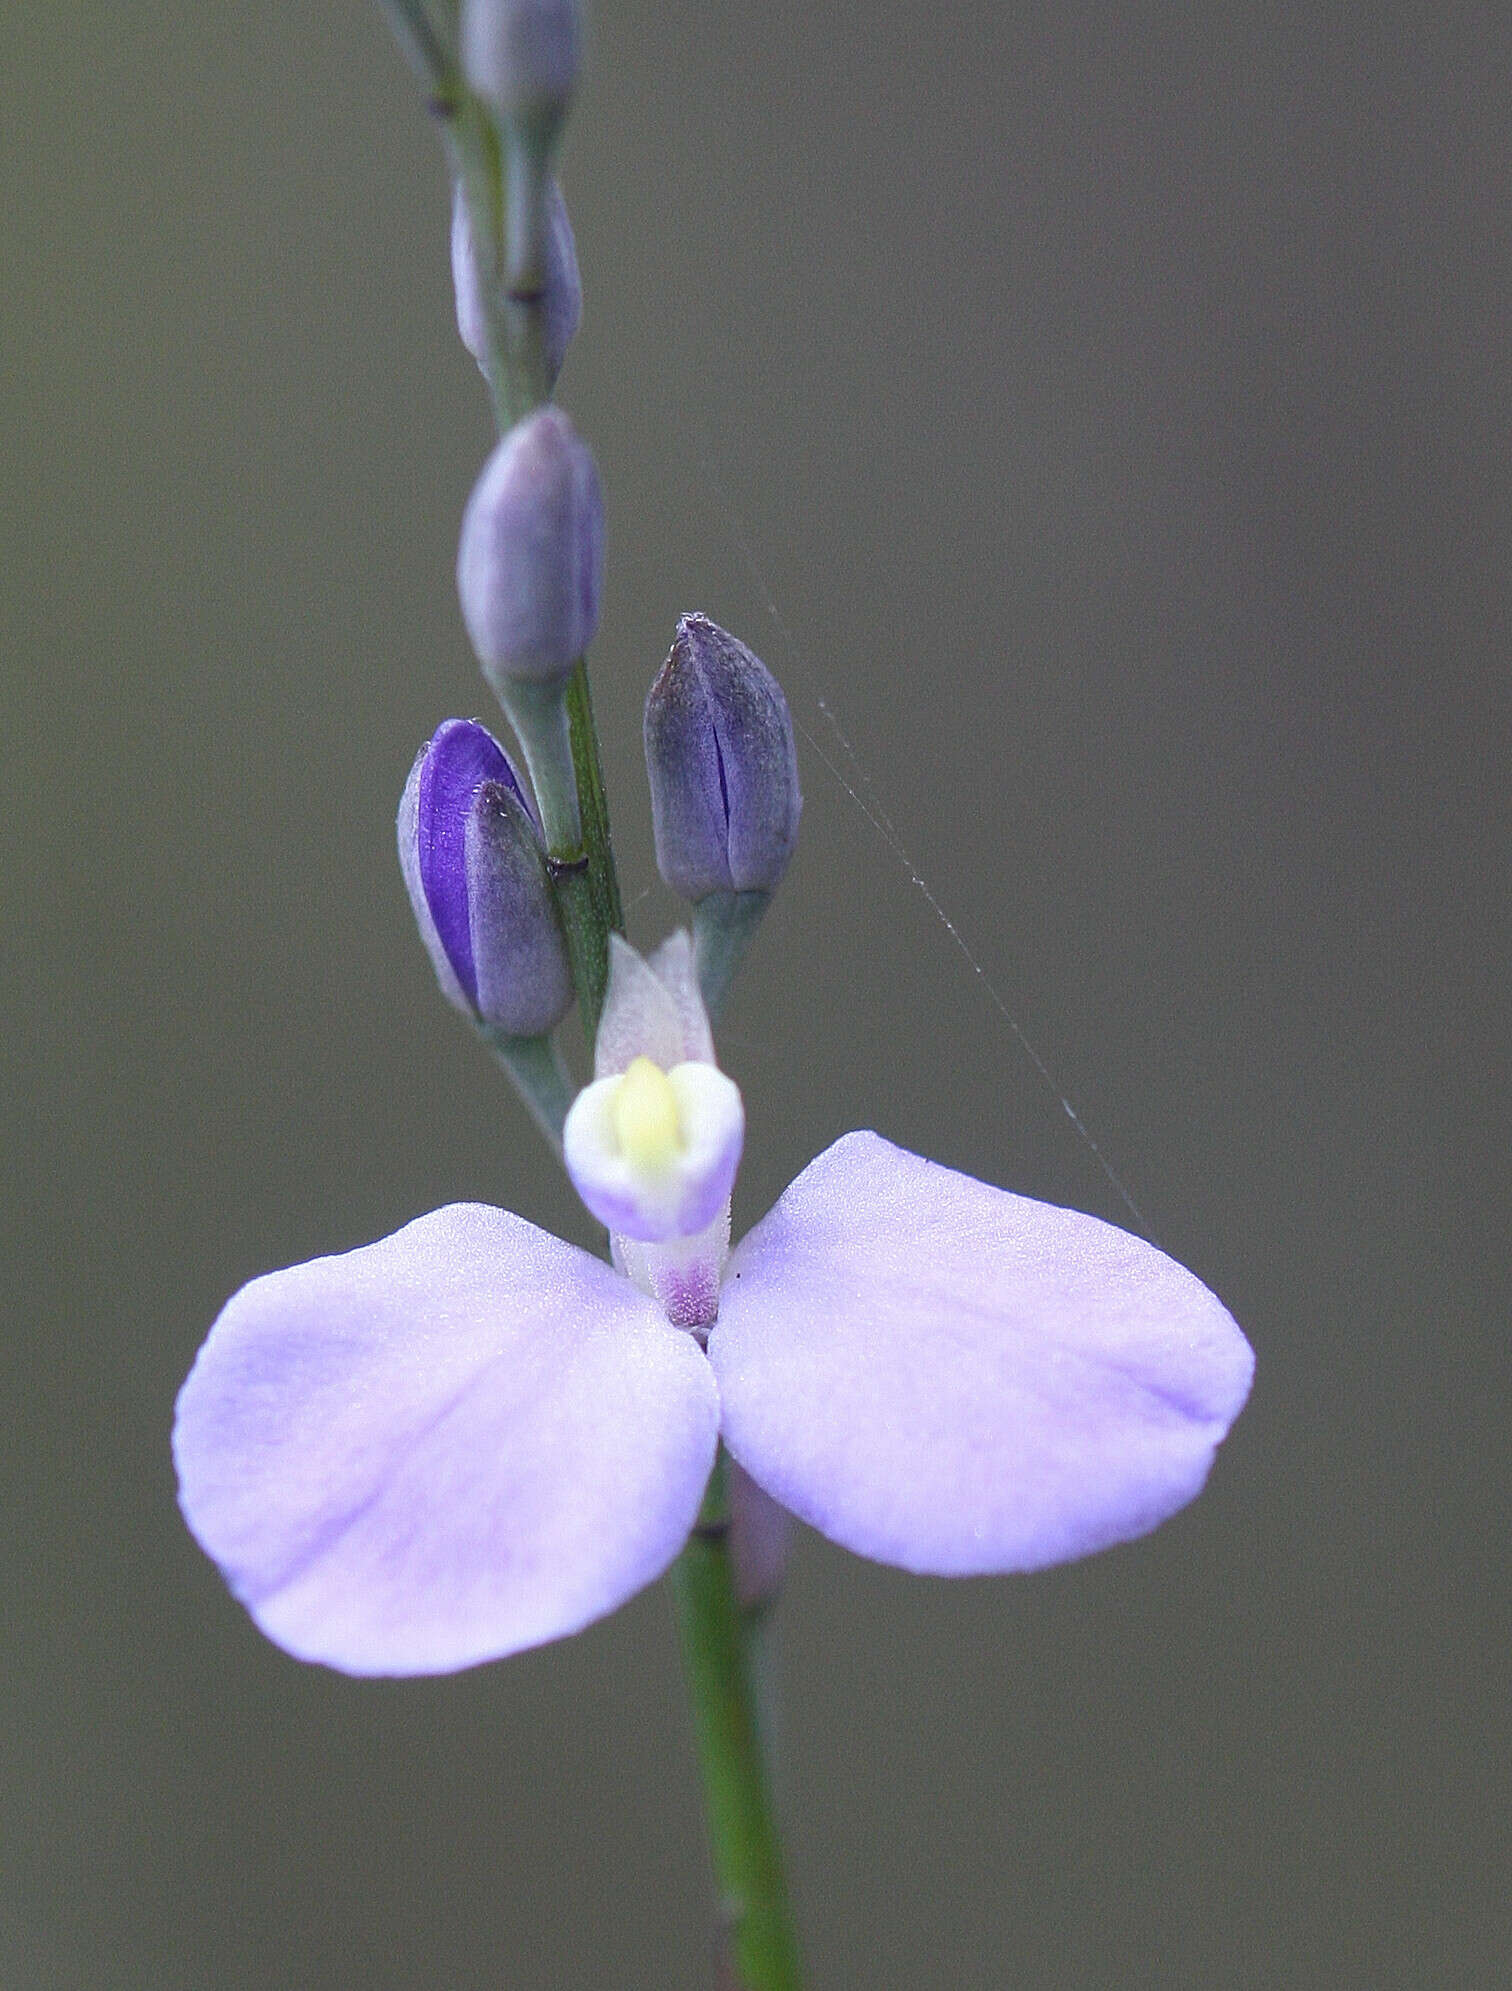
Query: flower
x=471, y=1438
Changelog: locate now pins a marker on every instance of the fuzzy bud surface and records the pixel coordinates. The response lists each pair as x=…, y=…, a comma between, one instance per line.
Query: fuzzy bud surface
x=723, y=766
x=523, y=56
x=472, y=862
x=530, y=561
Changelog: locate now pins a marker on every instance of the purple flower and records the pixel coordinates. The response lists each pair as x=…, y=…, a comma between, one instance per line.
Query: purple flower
x=471, y=1438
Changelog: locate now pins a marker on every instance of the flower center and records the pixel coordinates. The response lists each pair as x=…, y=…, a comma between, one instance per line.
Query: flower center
x=645, y=1118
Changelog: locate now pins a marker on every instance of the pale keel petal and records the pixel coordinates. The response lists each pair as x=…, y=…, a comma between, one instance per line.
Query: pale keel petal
x=640, y=1017
x=938, y=1374
x=464, y=1440
x=673, y=966
x=674, y=1194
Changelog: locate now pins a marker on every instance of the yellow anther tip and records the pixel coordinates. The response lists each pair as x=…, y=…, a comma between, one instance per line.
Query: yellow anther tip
x=645, y=1116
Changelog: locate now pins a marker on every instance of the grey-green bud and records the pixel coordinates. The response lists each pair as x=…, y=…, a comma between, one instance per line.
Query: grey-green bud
x=723, y=766
x=522, y=56
x=561, y=302
x=530, y=561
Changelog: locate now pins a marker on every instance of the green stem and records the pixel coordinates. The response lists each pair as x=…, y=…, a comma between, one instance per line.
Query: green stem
x=589, y=773
x=527, y=179
x=587, y=937
x=536, y=1070
x=538, y=713
x=564, y=772
x=757, y=1923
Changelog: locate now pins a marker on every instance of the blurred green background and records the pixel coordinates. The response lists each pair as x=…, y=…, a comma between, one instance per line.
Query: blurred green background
x=1102, y=414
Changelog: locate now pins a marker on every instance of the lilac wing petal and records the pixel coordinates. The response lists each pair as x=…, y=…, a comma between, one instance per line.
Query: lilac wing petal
x=939, y=1374
x=465, y=1440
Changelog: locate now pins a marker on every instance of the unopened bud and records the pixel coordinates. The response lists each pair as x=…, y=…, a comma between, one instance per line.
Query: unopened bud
x=531, y=557
x=723, y=766
x=471, y=857
x=561, y=302
x=522, y=56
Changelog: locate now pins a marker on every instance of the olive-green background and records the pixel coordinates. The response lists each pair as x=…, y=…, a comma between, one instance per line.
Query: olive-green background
x=1103, y=414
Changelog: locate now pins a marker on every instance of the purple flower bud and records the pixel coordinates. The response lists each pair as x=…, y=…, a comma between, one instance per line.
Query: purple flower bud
x=562, y=297
x=522, y=56
x=531, y=558
x=723, y=767
x=471, y=856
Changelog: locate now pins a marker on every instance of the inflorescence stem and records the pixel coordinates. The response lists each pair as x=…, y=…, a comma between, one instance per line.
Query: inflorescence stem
x=761, y=1949
x=567, y=772
x=719, y=1642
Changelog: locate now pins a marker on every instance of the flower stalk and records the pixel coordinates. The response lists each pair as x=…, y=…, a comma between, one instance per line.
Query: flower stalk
x=470, y=1438
x=724, y=925
x=557, y=730
x=537, y=1073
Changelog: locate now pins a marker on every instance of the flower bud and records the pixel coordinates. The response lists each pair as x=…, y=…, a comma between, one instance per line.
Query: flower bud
x=522, y=56
x=471, y=857
x=723, y=767
x=531, y=558
x=562, y=296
